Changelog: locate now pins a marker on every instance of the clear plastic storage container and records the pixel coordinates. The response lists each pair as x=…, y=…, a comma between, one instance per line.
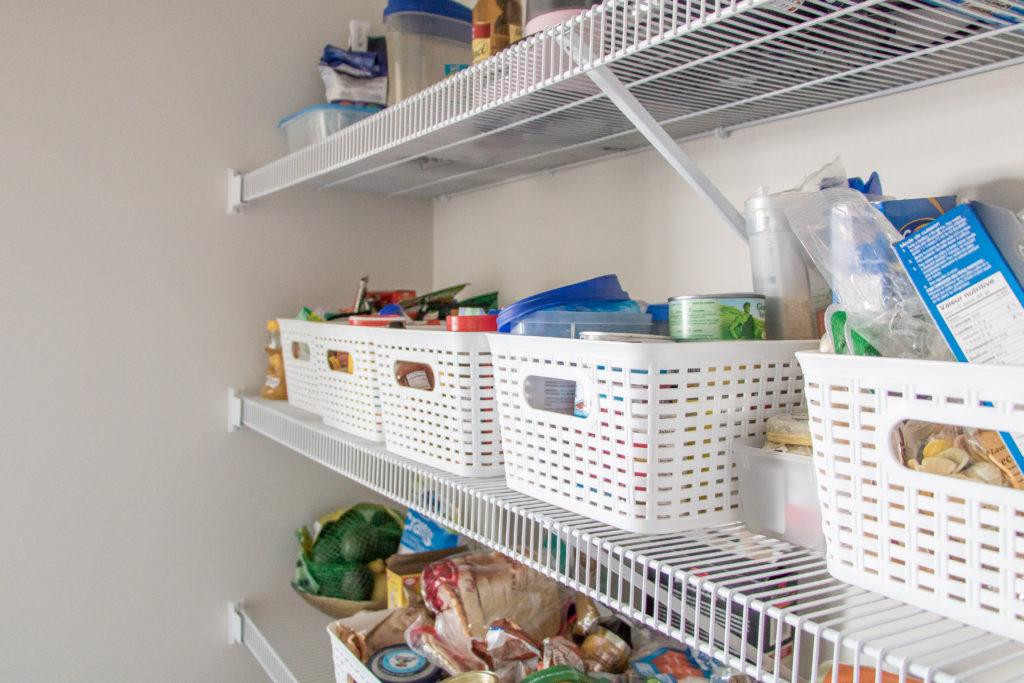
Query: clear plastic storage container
x=427, y=41
x=313, y=124
x=571, y=323
x=780, y=495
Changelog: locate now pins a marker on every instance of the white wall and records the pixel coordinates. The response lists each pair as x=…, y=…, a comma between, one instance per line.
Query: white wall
x=132, y=302
x=635, y=217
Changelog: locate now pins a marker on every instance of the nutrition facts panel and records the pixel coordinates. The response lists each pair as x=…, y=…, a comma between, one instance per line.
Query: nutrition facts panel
x=987, y=321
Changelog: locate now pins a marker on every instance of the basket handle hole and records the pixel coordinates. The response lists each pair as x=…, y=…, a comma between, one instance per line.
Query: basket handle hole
x=300, y=351
x=340, y=361
x=414, y=375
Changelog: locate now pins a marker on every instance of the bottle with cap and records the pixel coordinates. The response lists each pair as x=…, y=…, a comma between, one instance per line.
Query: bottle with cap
x=274, y=386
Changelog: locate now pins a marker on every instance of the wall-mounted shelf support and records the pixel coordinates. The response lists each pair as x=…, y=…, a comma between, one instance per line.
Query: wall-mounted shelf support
x=235, y=623
x=235, y=202
x=647, y=126
x=234, y=410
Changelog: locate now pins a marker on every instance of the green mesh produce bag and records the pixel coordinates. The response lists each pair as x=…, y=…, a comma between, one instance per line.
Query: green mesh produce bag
x=349, y=581
x=334, y=564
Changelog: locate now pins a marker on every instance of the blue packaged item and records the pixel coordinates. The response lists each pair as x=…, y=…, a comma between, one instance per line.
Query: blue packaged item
x=597, y=294
x=659, y=318
x=358, y=64
x=421, y=534
x=968, y=267
x=871, y=187
x=356, y=78
x=908, y=215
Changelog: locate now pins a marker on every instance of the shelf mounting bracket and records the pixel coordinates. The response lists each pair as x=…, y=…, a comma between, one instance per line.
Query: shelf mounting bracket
x=627, y=102
x=646, y=124
x=235, y=632
x=235, y=202
x=234, y=410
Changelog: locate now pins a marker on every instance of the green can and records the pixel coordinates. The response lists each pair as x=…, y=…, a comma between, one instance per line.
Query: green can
x=717, y=317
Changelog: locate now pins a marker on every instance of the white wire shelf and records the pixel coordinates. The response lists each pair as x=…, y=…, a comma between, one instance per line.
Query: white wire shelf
x=287, y=636
x=762, y=606
x=698, y=66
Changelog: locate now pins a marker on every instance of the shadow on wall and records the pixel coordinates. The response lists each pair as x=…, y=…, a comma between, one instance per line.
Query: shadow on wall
x=1005, y=192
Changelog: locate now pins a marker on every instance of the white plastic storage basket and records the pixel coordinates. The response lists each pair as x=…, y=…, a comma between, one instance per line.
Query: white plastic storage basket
x=300, y=369
x=349, y=393
x=637, y=435
x=347, y=667
x=453, y=424
x=949, y=545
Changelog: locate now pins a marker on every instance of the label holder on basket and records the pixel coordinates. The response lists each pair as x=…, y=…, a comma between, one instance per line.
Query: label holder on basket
x=584, y=387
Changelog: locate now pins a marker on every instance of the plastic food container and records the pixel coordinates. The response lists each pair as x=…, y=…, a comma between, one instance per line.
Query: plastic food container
x=427, y=41
x=313, y=124
x=612, y=430
x=779, y=495
x=571, y=323
x=597, y=294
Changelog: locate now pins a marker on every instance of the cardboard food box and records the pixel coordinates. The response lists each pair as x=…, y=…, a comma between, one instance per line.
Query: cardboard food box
x=968, y=266
x=404, y=574
x=909, y=215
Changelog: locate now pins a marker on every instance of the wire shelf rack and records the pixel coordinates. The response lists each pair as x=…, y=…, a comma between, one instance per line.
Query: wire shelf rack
x=762, y=606
x=698, y=66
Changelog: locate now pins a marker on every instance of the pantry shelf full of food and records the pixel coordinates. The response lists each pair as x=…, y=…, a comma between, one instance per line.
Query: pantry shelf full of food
x=764, y=607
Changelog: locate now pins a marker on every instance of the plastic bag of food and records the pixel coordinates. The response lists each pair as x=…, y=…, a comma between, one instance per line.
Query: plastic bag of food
x=471, y=594
x=962, y=452
x=850, y=242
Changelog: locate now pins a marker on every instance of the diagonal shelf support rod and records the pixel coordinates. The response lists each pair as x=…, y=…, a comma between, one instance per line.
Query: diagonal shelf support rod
x=668, y=148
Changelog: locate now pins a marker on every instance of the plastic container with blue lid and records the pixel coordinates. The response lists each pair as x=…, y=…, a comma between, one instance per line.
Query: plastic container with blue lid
x=599, y=294
x=314, y=124
x=659, y=317
x=427, y=41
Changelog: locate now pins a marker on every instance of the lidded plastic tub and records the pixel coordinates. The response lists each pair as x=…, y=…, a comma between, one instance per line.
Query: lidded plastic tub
x=542, y=14
x=571, y=323
x=597, y=294
x=313, y=124
x=427, y=41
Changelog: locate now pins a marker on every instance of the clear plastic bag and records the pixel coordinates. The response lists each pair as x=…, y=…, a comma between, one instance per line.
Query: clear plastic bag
x=851, y=244
x=489, y=612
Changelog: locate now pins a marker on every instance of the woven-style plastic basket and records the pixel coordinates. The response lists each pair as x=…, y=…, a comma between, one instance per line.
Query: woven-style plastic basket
x=652, y=454
x=349, y=394
x=300, y=369
x=949, y=545
x=454, y=425
x=347, y=666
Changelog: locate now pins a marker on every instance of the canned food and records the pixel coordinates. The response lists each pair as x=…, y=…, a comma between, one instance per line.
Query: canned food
x=475, y=677
x=717, y=317
x=593, y=335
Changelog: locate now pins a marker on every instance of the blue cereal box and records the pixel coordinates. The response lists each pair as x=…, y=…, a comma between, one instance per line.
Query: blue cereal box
x=908, y=215
x=968, y=266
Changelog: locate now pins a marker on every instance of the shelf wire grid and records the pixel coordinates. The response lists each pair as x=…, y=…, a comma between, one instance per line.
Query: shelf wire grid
x=762, y=606
x=291, y=647
x=699, y=66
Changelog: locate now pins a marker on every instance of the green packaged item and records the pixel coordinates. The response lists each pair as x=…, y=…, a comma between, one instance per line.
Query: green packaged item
x=558, y=674
x=333, y=561
x=349, y=581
